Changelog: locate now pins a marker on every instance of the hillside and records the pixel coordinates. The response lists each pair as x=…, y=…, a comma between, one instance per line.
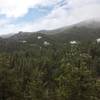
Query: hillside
x=84, y=32
x=62, y=64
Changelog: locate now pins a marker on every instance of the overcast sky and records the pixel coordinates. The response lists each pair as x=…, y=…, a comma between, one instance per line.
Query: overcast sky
x=34, y=15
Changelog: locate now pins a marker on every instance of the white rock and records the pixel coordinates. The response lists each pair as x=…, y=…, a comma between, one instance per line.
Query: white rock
x=23, y=41
x=73, y=42
x=39, y=37
x=46, y=43
x=98, y=40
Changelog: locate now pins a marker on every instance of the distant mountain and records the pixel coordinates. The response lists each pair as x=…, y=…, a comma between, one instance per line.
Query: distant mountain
x=89, y=24
x=83, y=31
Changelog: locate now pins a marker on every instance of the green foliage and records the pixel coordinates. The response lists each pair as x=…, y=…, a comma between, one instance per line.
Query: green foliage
x=68, y=72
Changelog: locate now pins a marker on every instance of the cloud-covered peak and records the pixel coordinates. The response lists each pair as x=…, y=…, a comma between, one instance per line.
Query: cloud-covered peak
x=34, y=15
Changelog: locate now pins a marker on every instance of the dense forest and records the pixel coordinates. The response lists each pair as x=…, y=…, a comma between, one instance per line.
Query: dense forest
x=70, y=71
x=49, y=50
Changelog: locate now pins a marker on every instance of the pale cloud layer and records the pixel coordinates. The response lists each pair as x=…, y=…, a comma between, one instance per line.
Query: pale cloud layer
x=65, y=12
x=17, y=8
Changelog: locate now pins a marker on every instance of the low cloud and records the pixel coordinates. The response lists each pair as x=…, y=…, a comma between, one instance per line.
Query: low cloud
x=65, y=12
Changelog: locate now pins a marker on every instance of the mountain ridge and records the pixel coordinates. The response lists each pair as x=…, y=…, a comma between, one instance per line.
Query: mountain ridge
x=82, y=31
